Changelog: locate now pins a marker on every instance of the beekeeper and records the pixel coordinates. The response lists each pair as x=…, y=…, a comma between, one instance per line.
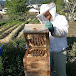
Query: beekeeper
x=58, y=29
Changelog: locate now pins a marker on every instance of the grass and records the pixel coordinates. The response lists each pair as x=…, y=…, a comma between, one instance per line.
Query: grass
x=18, y=30
x=8, y=25
x=4, y=34
x=2, y=23
x=35, y=21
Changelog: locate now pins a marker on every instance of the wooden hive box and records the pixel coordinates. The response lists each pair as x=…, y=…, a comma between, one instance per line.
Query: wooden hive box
x=36, y=60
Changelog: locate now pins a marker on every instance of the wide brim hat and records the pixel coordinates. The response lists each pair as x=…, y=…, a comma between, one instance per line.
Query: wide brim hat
x=43, y=9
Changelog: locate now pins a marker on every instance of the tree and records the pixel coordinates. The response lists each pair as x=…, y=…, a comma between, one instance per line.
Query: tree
x=48, y=1
x=59, y=4
x=15, y=8
x=71, y=8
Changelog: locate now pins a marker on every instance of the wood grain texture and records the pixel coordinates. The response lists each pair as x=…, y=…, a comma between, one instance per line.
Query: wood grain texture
x=36, y=64
x=35, y=28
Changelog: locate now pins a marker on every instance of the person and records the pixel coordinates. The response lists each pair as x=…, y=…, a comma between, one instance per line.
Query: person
x=58, y=30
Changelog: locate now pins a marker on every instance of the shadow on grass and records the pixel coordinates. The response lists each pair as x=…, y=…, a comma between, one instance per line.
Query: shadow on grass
x=71, y=56
x=13, y=58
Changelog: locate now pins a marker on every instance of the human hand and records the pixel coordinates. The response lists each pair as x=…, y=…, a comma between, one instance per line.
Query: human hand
x=50, y=27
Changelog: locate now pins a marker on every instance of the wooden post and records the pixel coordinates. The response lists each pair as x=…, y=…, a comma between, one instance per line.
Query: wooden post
x=36, y=60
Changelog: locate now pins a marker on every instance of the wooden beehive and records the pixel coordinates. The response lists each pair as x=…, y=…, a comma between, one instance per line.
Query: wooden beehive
x=36, y=60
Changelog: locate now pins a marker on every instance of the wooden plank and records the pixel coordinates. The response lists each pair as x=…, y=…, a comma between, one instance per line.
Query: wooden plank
x=35, y=28
x=37, y=66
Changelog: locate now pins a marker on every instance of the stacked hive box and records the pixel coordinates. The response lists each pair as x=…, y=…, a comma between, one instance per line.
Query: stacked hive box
x=36, y=60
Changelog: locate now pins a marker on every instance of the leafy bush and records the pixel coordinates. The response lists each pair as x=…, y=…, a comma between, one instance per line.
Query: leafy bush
x=14, y=52
x=71, y=57
x=16, y=9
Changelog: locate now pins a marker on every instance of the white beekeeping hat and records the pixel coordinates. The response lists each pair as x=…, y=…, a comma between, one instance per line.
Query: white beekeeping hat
x=44, y=8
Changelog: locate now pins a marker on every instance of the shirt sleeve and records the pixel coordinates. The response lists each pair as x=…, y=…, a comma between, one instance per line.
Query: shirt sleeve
x=61, y=29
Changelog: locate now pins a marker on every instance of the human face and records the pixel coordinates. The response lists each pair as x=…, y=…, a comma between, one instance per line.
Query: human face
x=47, y=15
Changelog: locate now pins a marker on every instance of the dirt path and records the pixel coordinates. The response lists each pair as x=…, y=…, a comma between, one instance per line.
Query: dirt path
x=8, y=38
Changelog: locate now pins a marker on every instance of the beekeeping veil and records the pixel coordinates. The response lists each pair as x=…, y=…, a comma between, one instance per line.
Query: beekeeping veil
x=44, y=8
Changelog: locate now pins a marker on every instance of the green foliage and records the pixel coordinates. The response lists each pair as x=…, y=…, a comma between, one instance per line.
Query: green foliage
x=2, y=23
x=71, y=41
x=71, y=70
x=8, y=25
x=4, y=34
x=71, y=56
x=15, y=8
x=18, y=31
x=1, y=64
x=72, y=0
x=36, y=21
x=48, y=1
x=13, y=58
x=45, y=1
x=59, y=4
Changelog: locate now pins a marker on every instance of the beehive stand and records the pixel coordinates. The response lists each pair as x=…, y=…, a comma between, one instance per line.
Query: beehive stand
x=36, y=60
